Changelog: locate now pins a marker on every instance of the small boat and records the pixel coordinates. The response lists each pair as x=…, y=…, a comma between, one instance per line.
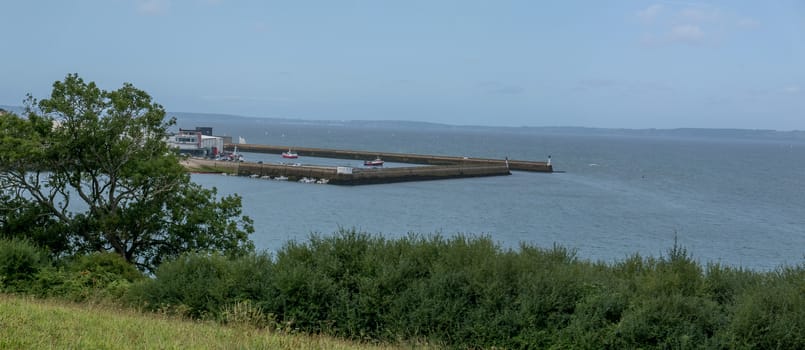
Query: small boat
x=376, y=162
x=234, y=156
x=290, y=154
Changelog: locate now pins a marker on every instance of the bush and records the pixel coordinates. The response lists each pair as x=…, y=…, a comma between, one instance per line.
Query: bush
x=105, y=268
x=594, y=324
x=318, y=283
x=95, y=276
x=771, y=315
x=669, y=321
x=461, y=286
x=468, y=292
x=463, y=291
x=201, y=285
x=723, y=283
x=20, y=261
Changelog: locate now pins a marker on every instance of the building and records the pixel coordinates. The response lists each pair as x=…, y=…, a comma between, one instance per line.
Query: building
x=198, y=142
x=205, y=130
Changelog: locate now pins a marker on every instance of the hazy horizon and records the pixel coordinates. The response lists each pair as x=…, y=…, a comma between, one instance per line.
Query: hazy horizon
x=184, y=114
x=628, y=64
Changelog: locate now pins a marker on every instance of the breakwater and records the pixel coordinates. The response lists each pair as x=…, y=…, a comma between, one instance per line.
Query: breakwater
x=438, y=167
x=343, y=175
x=463, y=162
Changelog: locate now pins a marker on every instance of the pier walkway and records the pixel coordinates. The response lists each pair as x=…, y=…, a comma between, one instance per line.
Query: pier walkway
x=342, y=175
x=440, y=167
x=518, y=165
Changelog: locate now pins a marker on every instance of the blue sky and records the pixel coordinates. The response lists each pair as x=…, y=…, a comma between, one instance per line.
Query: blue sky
x=616, y=64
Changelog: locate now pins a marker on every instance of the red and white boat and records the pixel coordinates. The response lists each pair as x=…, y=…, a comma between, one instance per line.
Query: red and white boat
x=290, y=154
x=376, y=162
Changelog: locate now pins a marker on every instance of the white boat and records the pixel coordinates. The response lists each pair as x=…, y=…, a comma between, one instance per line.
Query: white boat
x=234, y=156
x=376, y=162
x=281, y=178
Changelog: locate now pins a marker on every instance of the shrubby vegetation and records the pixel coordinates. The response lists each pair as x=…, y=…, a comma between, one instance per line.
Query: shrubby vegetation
x=455, y=292
x=468, y=292
x=26, y=268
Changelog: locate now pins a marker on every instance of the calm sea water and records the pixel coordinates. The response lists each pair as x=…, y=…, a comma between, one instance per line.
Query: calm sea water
x=733, y=200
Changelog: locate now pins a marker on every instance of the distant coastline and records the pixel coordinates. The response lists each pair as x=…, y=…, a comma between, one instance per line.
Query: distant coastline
x=732, y=133
x=187, y=118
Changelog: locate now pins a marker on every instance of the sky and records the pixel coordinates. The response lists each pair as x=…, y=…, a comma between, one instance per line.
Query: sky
x=611, y=64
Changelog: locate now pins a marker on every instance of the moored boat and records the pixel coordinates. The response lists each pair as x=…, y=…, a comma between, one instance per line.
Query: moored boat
x=376, y=162
x=290, y=154
x=233, y=156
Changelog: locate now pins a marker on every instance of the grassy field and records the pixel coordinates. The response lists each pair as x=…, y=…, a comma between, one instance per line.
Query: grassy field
x=43, y=324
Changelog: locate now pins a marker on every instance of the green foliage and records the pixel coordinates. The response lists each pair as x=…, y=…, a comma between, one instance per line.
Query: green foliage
x=20, y=260
x=462, y=292
x=105, y=150
x=201, y=285
x=468, y=292
x=723, y=283
x=26, y=268
x=771, y=315
x=27, y=220
x=97, y=276
x=669, y=321
x=595, y=322
x=105, y=267
x=197, y=222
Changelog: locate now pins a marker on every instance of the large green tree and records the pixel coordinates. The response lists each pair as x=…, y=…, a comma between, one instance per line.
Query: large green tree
x=89, y=170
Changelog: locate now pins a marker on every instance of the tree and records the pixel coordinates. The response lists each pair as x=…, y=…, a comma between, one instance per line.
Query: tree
x=89, y=170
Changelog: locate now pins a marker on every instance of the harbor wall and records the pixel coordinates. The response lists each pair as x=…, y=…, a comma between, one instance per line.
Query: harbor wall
x=387, y=175
x=358, y=176
x=287, y=170
x=520, y=165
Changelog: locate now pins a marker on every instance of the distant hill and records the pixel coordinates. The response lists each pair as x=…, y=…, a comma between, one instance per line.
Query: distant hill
x=222, y=118
x=190, y=120
x=12, y=109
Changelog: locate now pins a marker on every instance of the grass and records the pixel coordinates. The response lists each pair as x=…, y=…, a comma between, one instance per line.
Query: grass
x=27, y=323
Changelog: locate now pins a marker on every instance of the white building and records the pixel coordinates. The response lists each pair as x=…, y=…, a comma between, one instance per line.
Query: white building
x=195, y=143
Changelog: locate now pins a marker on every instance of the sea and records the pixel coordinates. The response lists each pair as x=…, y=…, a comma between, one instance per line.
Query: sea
x=732, y=197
